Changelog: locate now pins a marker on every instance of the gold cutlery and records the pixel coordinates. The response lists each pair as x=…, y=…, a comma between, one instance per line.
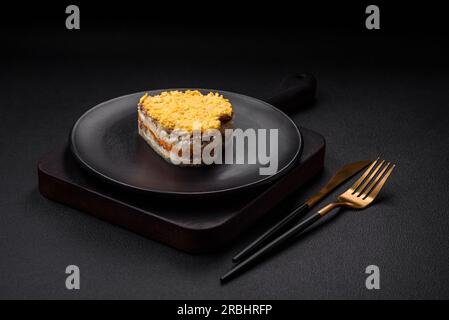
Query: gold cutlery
x=342, y=175
x=359, y=196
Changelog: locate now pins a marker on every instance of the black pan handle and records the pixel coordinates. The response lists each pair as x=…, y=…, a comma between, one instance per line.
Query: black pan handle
x=296, y=92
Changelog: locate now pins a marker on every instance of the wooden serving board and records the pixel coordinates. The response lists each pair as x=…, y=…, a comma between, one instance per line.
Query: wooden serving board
x=192, y=225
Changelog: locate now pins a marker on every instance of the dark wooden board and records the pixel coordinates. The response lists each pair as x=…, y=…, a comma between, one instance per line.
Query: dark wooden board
x=196, y=225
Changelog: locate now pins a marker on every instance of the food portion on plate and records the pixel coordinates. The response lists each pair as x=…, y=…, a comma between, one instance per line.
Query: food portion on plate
x=178, y=118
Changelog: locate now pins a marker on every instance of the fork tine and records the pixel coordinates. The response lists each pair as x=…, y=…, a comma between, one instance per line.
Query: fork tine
x=373, y=194
x=364, y=175
x=370, y=178
x=368, y=189
x=362, y=187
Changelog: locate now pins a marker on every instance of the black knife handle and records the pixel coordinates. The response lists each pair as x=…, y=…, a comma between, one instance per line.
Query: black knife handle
x=270, y=247
x=296, y=92
x=270, y=233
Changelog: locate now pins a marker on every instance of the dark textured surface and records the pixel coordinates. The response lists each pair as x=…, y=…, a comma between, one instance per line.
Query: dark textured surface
x=378, y=95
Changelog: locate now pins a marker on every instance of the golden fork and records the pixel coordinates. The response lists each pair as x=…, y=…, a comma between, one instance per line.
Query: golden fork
x=363, y=192
x=359, y=196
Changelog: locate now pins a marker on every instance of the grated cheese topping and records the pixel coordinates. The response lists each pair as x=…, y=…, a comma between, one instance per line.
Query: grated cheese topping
x=187, y=110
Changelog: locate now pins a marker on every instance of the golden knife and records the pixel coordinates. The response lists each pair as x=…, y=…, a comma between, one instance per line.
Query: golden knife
x=340, y=177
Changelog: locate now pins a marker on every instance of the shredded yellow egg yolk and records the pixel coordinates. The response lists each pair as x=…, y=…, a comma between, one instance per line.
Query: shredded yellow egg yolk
x=189, y=110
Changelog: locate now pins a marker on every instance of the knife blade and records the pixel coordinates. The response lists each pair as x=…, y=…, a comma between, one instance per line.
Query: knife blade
x=342, y=175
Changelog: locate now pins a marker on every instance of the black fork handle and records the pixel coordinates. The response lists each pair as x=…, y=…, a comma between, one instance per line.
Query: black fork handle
x=270, y=233
x=270, y=247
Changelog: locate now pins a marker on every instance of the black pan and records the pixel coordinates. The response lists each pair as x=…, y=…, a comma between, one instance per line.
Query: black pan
x=105, y=140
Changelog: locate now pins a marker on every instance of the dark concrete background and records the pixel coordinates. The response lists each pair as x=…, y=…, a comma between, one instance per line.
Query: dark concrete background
x=379, y=94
